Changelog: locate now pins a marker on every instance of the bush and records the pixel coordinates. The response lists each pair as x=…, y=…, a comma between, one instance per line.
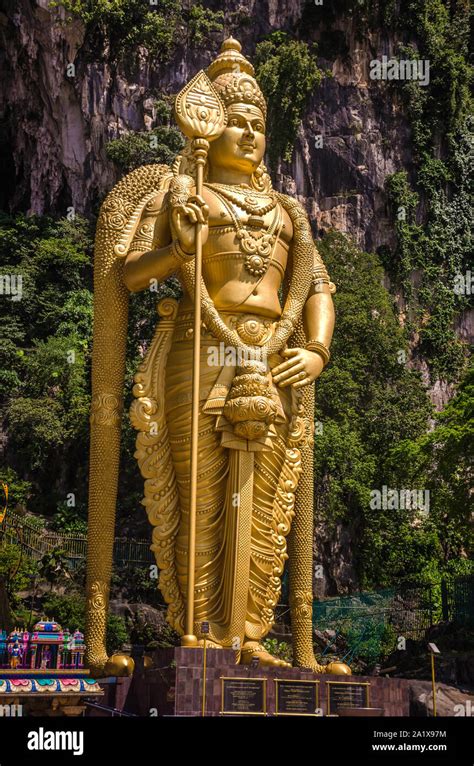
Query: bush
x=16, y=570
x=70, y=520
x=69, y=611
x=288, y=73
x=53, y=566
x=279, y=649
x=160, y=145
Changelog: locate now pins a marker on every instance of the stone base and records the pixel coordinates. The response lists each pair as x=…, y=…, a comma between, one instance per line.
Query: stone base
x=173, y=686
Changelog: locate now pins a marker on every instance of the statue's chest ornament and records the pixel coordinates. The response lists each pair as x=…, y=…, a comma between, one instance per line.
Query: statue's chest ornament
x=254, y=241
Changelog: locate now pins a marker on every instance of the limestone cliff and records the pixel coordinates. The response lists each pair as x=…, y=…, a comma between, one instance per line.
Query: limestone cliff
x=56, y=121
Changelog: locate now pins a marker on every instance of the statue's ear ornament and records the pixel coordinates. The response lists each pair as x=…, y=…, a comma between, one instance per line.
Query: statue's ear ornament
x=261, y=180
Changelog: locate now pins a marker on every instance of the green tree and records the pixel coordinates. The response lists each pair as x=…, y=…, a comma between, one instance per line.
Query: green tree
x=288, y=73
x=441, y=460
x=15, y=570
x=69, y=611
x=368, y=402
x=45, y=338
x=53, y=566
x=132, y=24
x=160, y=145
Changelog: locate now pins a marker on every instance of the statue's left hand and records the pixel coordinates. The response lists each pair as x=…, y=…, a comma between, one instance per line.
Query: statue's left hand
x=301, y=368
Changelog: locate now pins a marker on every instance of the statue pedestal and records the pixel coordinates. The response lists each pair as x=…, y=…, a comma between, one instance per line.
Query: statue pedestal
x=174, y=687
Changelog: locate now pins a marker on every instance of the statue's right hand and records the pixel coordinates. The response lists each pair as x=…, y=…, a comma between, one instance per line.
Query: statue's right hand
x=184, y=218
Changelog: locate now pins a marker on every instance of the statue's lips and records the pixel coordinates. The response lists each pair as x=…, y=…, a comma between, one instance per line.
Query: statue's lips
x=248, y=147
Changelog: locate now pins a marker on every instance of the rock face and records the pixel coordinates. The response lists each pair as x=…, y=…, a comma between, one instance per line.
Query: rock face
x=334, y=567
x=64, y=101
x=450, y=700
x=139, y=615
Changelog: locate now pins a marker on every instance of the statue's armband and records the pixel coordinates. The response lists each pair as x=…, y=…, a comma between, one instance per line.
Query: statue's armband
x=152, y=231
x=320, y=280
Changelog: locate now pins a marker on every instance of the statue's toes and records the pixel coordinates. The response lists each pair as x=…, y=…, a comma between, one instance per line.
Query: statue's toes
x=119, y=665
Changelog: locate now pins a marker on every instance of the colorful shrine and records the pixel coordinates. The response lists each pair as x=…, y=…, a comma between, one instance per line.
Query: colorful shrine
x=47, y=647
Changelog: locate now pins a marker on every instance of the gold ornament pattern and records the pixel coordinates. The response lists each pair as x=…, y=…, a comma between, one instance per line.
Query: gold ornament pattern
x=120, y=214
x=199, y=110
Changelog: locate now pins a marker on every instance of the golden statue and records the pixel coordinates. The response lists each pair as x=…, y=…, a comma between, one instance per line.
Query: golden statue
x=224, y=397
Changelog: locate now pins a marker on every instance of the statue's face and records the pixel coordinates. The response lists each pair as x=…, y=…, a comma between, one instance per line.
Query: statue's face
x=242, y=144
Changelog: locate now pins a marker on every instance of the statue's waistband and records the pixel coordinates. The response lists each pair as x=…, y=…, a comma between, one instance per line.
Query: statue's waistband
x=253, y=329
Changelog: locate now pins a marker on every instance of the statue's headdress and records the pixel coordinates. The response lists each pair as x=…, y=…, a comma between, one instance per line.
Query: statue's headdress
x=233, y=77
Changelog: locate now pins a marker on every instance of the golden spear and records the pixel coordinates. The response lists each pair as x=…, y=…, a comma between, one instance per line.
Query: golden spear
x=202, y=117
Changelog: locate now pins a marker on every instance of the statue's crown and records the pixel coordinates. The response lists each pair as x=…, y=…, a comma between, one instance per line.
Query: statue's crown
x=233, y=77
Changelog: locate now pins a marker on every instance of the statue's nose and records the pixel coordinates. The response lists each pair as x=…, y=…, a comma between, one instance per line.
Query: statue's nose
x=249, y=130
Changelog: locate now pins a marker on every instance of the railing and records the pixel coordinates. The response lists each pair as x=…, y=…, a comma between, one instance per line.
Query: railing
x=106, y=711
x=367, y=623
x=37, y=542
x=458, y=600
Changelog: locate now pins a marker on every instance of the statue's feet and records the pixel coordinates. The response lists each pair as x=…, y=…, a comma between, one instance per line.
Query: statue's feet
x=253, y=649
x=119, y=665
x=337, y=669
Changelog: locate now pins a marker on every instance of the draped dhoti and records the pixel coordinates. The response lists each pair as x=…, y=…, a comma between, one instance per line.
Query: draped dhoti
x=245, y=488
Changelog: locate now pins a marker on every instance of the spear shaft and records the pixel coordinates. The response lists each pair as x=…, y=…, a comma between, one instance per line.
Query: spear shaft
x=200, y=153
x=202, y=117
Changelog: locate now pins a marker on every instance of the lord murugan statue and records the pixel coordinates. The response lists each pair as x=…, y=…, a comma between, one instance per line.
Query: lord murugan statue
x=226, y=456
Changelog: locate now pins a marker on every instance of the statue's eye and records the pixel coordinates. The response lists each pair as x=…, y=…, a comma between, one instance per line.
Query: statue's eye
x=233, y=122
x=259, y=127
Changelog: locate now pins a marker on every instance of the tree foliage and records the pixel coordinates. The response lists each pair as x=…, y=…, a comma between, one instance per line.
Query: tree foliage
x=160, y=145
x=287, y=72
x=132, y=24
x=375, y=415
x=432, y=210
x=69, y=611
x=44, y=407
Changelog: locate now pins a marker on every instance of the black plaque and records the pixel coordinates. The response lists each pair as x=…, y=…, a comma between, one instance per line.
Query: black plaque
x=346, y=694
x=296, y=697
x=243, y=696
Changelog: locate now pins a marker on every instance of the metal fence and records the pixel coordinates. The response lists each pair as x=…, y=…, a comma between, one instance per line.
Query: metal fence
x=457, y=599
x=409, y=609
x=369, y=624
x=37, y=542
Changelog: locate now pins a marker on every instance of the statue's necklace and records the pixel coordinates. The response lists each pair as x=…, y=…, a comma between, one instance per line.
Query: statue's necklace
x=257, y=246
x=247, y=199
